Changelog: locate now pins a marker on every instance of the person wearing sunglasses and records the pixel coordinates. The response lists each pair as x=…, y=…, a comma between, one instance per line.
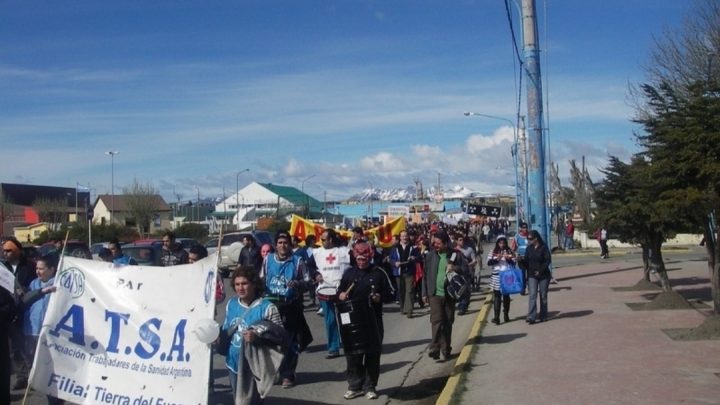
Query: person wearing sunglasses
x=537, y=259
x=24, y=271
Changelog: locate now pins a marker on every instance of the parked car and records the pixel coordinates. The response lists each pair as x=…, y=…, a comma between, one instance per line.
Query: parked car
x=95, y=248
x=232, y=243
x=145, y=252
x=211, y=246
x=187, y=243
x=75, y=248
x=30, y=251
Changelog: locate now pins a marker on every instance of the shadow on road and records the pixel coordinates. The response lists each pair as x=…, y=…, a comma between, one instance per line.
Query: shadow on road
x=388, y=348
x=492, y=340
x=599, y=273
x=428, y=389
x=572, y=314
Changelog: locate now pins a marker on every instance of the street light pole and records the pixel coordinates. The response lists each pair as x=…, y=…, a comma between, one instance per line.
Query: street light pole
x=302, y=190
x=112, y=154
x=237, y=187
x=514, y=150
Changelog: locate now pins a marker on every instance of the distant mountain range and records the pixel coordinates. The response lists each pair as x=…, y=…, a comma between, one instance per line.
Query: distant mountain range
x=409, y=193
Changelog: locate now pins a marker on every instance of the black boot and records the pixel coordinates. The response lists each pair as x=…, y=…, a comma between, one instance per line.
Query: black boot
x=496, y=321
x=507, y=317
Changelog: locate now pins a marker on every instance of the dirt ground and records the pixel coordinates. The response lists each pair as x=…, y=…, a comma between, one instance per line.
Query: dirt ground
x=669, y=300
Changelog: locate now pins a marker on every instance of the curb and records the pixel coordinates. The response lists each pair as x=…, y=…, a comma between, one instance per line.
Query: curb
x=463, y=359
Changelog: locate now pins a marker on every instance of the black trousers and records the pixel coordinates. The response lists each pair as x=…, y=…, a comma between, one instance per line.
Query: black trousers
x=363, y=371
x=499, y=298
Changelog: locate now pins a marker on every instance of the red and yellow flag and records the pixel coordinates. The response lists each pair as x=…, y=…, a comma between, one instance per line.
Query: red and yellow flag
x=380, y=235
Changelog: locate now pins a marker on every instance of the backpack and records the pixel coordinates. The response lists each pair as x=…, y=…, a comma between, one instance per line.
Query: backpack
x=456, y=285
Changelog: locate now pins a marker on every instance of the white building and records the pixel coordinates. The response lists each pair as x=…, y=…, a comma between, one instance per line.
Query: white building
x=258, y=199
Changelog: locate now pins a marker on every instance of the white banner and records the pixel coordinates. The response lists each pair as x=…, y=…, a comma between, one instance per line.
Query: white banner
x=128, y=334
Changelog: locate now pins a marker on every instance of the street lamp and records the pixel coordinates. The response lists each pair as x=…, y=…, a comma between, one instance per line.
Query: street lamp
x=302, y=184
x=237, y=189
x=514, y=151
x=302, y=189
x=112, y=154
x=370, y=196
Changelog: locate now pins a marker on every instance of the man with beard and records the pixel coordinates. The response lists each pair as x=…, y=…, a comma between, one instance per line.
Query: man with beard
x=24, y=272
x=442, y=306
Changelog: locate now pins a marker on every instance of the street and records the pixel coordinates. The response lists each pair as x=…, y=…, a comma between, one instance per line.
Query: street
x=407, y=374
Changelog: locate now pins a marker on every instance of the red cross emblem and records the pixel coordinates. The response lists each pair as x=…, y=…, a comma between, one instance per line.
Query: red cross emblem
x=330, y=258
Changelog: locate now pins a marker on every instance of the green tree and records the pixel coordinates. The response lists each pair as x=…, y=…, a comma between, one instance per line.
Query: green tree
x=627, y=205
x=678, y=109
x=682, y=140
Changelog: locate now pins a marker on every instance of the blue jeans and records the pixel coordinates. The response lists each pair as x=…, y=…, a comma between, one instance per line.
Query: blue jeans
x=569, y=243
x=534, y=286
x=331, y=327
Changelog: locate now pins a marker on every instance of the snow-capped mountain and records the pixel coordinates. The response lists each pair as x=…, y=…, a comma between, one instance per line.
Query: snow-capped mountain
x=409, y=193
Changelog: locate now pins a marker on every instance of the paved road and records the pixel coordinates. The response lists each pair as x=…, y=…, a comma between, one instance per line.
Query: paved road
x=408, y=375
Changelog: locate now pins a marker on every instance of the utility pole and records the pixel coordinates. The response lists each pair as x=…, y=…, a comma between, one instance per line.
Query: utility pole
x=537, y=193
x=112, y=154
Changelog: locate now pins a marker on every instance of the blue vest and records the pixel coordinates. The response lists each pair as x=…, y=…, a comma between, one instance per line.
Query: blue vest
x=278, y=275
x=522, y=244
x=243, y=317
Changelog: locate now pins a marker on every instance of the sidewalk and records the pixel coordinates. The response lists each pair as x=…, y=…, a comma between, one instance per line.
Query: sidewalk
x=594, y=349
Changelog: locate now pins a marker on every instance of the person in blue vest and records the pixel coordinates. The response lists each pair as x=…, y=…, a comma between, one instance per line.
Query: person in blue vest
x=519, y=245
x=118, y=257
x=241, y=314
x=286, y=278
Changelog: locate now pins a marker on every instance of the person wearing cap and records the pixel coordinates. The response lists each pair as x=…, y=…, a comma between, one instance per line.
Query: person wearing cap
x=442, y=306
x=286, y=278
x=24, y=272
x=360, y=282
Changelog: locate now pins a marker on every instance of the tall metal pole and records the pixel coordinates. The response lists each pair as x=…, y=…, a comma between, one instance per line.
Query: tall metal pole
x=537, y=192
x=112, y=154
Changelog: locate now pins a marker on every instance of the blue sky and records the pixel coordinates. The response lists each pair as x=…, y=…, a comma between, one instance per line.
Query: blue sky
x=353, y=92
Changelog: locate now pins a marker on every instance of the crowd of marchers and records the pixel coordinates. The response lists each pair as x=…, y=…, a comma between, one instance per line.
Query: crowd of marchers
x=431, y=267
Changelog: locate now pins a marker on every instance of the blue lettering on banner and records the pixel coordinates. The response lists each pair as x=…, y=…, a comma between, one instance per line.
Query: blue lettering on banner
x=72, y=326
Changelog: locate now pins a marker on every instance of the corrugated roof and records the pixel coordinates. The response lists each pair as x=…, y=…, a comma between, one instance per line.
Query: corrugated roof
x=119, y=202
x=295, y=196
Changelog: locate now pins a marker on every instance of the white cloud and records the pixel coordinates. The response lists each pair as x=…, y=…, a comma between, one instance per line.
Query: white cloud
x=480, y=144
x=382, y=162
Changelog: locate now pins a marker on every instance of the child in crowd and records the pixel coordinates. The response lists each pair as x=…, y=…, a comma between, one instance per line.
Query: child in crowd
x=501, y=258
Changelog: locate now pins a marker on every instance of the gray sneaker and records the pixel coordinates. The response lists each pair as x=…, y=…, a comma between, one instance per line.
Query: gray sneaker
x=371, y=394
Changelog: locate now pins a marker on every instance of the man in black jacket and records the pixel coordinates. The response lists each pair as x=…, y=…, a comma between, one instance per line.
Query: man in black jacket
x=7, y=313
x=24, y=272
x=250, y=253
